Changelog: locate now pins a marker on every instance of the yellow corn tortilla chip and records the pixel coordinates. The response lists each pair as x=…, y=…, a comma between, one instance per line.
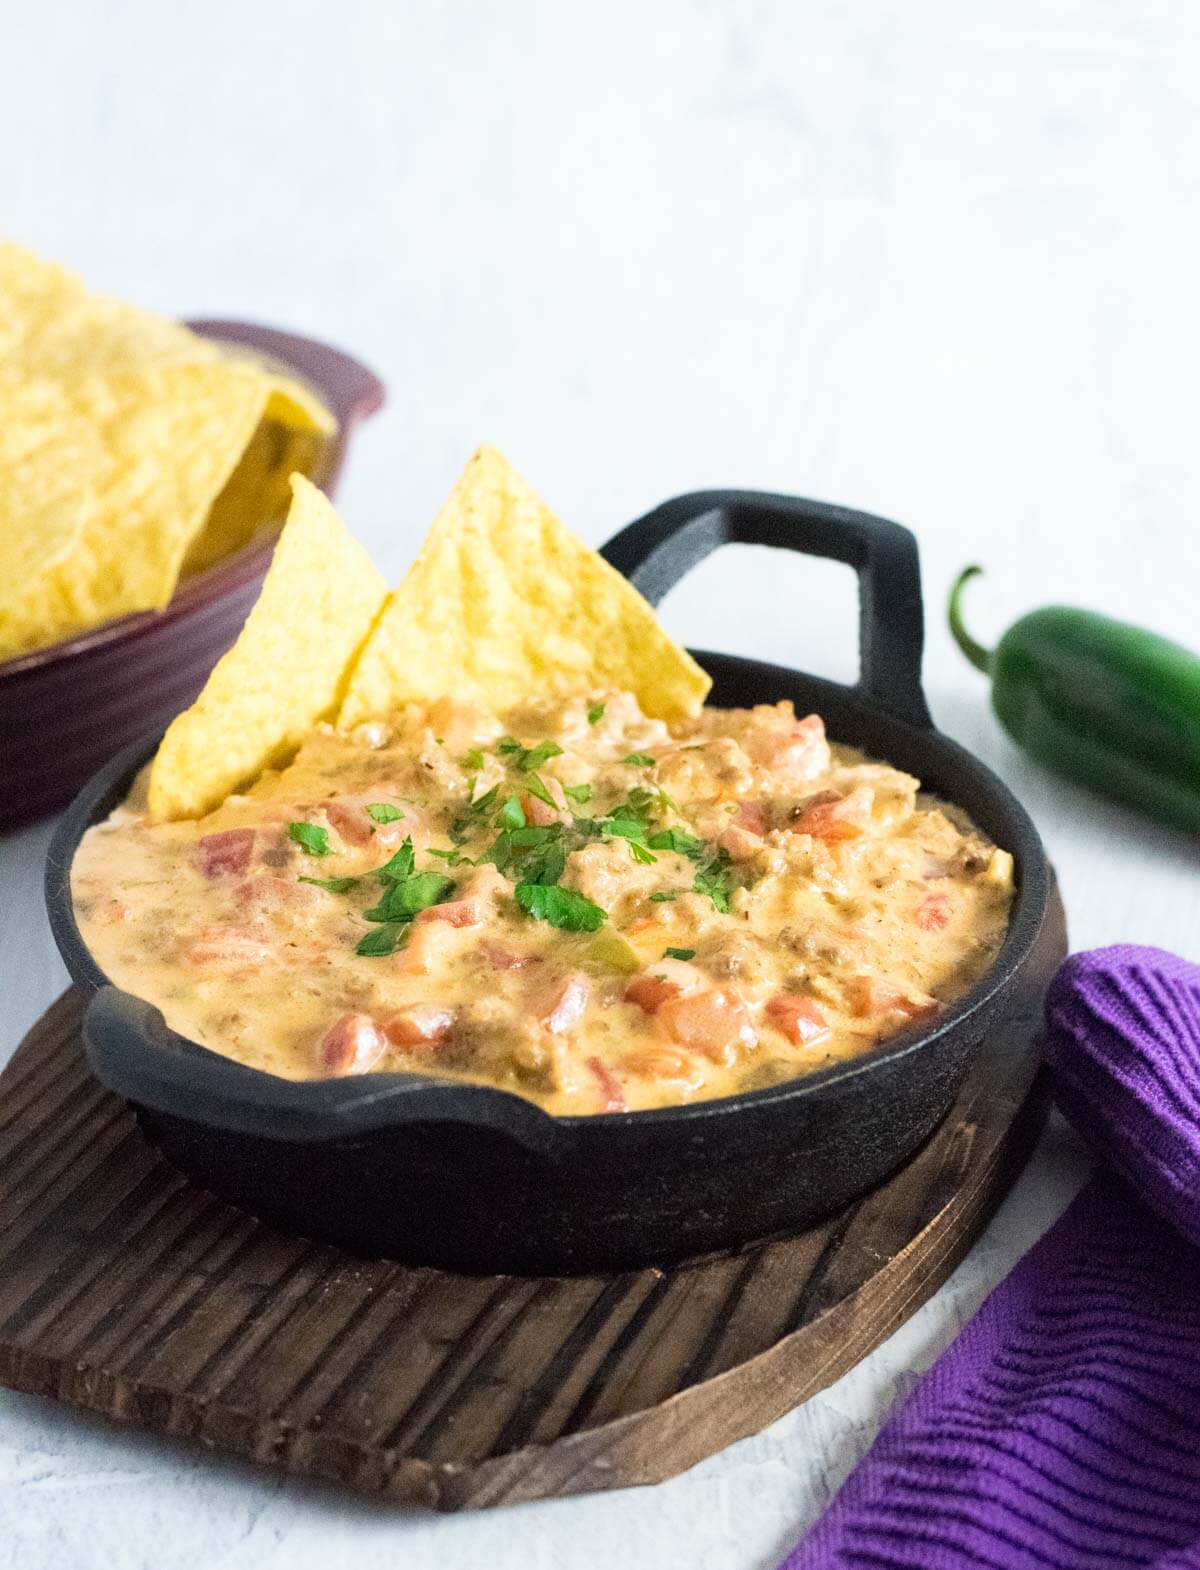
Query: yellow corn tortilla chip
x=169, y=437
x=46, y=450
x=51, y=326
x=503, y=603
x=257, y=494
x=286, y=671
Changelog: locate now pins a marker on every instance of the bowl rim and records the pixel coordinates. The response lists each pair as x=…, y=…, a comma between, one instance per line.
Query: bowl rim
x=243, y=566
x=250, y=1100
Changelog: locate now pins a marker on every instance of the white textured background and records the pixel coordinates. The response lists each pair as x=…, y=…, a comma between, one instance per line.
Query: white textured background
x=932, y=259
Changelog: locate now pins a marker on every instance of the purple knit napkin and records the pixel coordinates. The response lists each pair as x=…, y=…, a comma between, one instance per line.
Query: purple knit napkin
x=1062, y=1428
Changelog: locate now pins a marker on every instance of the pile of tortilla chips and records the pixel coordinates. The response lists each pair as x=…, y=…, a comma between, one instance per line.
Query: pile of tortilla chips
x=131, y=450
x=503, y=603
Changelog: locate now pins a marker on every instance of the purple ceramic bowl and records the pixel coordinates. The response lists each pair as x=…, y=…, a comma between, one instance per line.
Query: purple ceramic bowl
x=66, y=709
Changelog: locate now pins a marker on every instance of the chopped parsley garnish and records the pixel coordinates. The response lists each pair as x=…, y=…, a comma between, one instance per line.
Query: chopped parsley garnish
x=510, y=815
x=678, y=840
x=663, y=896
x=473, y=814
x=310, y=837
x=533, y=854
x=639, y=760
x=525, y=759
x=536, y=786
x=684, y=954
x=562, y=908
x=640, y=854
x=384, y=812
x=595, y=713
x=384, y=940
x=540, y=754
x=578, y=793
x=334, y=885
x=473, y=760
x=715, y=881
x=404, y=899
x=400, y=866
x=452, y=858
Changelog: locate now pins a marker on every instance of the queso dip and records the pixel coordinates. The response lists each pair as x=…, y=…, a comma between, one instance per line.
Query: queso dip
x=569, y=901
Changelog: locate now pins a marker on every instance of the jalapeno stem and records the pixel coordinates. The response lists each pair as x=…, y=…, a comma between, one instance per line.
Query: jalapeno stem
x=980, y=657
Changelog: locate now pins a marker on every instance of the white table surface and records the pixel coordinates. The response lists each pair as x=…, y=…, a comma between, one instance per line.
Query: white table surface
x=934, y=260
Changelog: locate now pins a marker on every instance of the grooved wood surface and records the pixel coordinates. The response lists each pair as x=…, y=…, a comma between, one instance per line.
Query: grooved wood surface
x=127, y=1290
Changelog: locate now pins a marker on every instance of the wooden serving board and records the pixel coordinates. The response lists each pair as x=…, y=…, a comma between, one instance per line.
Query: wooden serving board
x=127, y=1290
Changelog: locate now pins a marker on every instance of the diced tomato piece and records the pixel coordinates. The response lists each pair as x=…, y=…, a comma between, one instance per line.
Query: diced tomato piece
x=831, y=818
x=566, y=1003
x=226, y=854
x=801, y=1021
x=422, y=1025
x=455, y=912
x=869, y=997
x=933, y=913
x=743, y=834
x=669, y=978
x=541, y=813
x=751, y=817
x=238, y=948
x=268, y=894
x=353, y=1044
x=610, y=1086
x=508, y=959
x=714, y=1022
x=349, y=819
x=659, y=1061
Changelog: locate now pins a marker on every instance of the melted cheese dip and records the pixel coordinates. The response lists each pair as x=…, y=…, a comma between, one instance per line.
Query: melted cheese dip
x=579, y=904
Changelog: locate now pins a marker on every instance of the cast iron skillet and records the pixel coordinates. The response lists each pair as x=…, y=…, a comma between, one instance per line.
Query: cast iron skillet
x=471, y=1178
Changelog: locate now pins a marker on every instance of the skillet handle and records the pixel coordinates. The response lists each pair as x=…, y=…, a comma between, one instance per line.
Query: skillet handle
x=656, y=551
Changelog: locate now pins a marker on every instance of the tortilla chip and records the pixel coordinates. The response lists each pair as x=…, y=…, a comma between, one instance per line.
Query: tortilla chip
x=51, y=326
x=49, y=455
x=257, y=494
x=287, y=670
x=170, y=437
x=503, y=603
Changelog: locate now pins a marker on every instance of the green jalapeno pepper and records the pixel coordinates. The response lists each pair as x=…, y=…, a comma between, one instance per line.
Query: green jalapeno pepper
x=1111, y=705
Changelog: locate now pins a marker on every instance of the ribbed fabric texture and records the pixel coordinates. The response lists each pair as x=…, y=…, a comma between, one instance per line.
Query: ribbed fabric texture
x=1062, y=1428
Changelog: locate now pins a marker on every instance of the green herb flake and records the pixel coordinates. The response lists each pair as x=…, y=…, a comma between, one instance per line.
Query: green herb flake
x=663, y=896
x=683, y=844
x=473, y=813
x=334, y=885
x=400, y=866
x=684, y=954
x=533, y=854
x=510, y=815
x=644, y=857
x=536, y=786
x=384, y=940
x=562, y=908
x=507, y=745
x=452, y=858
x=472, y=761
x=384, y=812
x=403, y=900
x=639, y=760
x=715, y=882
x=595, y=714
x=578, y=793
x=310, y=838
